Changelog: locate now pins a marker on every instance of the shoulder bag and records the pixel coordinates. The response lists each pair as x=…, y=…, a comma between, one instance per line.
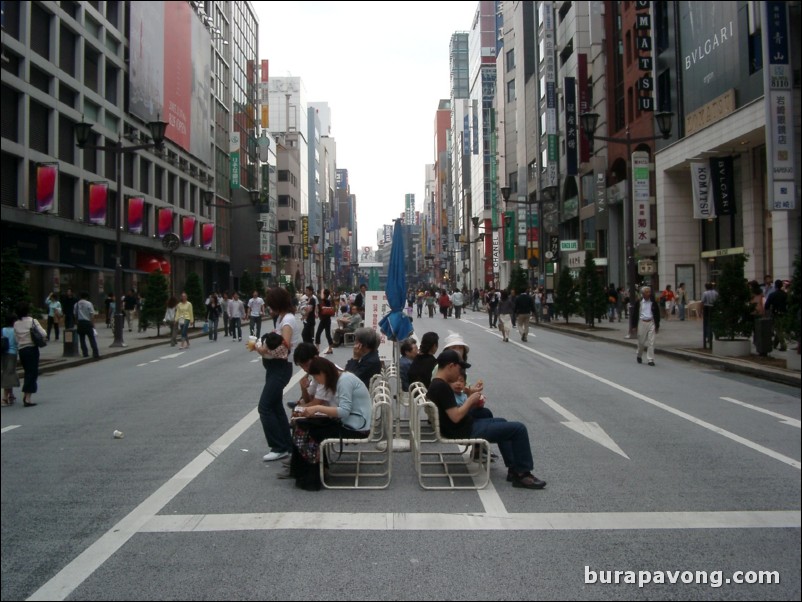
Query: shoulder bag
x=36, y=336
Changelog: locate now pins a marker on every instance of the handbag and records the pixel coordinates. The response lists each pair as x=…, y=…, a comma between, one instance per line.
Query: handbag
x=36, y=336
x=326, y=311
x=205, y=328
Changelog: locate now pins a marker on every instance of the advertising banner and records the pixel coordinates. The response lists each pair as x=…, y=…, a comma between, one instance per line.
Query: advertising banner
x=571, y=165
x=722, y=179
x=641, y=219
x=98, y=197
x=46, y=174
x=187, y=229
x=703, y=208
x=207, y=235
x=165, y=222
x=136, y=210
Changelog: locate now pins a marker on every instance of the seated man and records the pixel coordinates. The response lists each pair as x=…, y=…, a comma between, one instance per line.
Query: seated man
x=409, y=349
x=457, y=423
x=347, y=324
x=365, y=362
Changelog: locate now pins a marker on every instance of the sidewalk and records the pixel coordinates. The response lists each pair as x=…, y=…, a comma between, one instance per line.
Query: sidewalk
x=676, y=339
x=682, y=340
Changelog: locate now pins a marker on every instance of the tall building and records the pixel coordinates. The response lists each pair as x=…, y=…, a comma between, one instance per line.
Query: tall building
x=65, y=63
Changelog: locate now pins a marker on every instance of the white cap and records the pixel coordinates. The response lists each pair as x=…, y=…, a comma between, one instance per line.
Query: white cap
x=454, y=339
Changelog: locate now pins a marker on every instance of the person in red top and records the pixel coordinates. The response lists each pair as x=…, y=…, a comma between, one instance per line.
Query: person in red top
x=444, y=302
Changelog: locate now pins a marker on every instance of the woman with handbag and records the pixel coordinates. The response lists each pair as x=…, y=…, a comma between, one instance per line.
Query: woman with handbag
x=170, y=319
x=348, y=419
x=213, y=316
x=325, y=312
x=184, y=315
x=24, y=329
x=278, y=372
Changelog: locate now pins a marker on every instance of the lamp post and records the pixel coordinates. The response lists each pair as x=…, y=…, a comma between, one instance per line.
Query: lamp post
x=589, y=122
x=83, y=131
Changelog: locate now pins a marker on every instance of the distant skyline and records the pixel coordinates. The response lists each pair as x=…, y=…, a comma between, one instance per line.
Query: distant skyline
x=383, y=68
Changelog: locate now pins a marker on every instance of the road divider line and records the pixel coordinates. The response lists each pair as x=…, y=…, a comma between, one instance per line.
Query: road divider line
x=679, y=413
x=10, y=427
x=424, y=521
x=784, y=419
x=203, y=359
x=81, y=568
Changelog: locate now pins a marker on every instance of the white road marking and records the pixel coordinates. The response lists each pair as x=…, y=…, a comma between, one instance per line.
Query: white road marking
x=684, y=415
x=491, y=500
x=86, y=563
x=171, y=356
x=524, y=521
x=784, y=419
x=591, y=430
x=140, y=365
x=10, y=427
x=154, y=361
x=203, y=359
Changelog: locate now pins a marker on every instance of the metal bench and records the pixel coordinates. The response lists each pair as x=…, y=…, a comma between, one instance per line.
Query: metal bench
x=443, y=463
x=361, y=463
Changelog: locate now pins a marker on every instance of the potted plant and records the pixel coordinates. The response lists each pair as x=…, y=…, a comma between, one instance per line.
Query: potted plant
x=732, y=316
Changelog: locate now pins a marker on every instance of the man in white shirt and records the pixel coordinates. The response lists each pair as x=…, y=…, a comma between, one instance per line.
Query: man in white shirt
x=645, y=317
x=256, y=309
x=236, y=311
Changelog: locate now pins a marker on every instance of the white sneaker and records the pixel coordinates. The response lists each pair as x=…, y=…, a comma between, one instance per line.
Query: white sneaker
x=273, y=456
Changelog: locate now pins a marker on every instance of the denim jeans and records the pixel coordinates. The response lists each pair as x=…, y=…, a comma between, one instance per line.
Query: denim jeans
x=235, y=327
x=184, y=327
x=274, y=420
x=257, y=322
x=213, y=329
x=512, y=439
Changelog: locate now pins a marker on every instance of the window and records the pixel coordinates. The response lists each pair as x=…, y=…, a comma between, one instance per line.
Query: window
x=283, y=175
x=92, y=69
x=40, y=29
x=39, y=127
x=111, y=83
x=67, y=45
x=283, y=200
x=511, y=90
x=510, y=60
x=9, y=98
x=66, y=139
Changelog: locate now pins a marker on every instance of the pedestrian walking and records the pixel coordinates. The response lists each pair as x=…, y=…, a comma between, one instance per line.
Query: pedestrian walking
x=308, y=333
x=776, y=307
x=129, y=307
x=256, y=309
x=709, y=298
x=325, y=312
x=28, y=351
x=646, y=320
x=419, y=299
x=224, y=307
x=213, y=311
x=505, y=309
x=53, y=313
x=524, y=307
x=68, y=302
x=491, y=302
x=85, y=319
x=183, y=316
x=9, y=361
x=236, y=312
x=458, y=300
x=170, y=319
x=682, y=300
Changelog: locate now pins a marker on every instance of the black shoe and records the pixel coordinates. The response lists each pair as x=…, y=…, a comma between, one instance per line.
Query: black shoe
x=651, y=363
x=527, y=481
x=640, y=360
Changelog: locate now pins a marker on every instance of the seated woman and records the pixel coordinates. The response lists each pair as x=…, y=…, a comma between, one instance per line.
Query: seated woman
x=409, y=350
x=348, y=419
x=424, y=363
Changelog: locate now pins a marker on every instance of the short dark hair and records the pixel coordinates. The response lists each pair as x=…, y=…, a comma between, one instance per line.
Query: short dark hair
x=303, y=353
x=429, y=342
x=279, y=300
x=272, y=340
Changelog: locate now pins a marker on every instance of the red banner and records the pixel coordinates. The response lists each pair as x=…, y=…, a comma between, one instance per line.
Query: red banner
x=136, y=209
x=45, y=186
x=165, y=221
x=207, y=235
x=187, y=230
x=98, y=197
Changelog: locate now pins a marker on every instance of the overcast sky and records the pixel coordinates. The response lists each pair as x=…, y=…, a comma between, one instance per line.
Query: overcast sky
x=382, y=67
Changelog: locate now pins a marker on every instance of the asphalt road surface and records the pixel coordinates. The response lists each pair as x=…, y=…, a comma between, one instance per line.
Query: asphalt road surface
x=668, y=482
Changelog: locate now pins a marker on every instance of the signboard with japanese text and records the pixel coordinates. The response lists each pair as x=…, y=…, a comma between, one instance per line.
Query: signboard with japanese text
x=376, y=307
x=641, y=219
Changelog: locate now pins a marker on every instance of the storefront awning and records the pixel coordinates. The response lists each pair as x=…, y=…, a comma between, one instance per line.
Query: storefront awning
x=92, y=268
x=45, y=264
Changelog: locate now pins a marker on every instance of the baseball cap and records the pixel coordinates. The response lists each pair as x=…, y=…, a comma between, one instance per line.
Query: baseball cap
x=449, y=356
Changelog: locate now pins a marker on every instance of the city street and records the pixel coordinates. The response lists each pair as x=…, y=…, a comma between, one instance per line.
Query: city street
x=679, y=472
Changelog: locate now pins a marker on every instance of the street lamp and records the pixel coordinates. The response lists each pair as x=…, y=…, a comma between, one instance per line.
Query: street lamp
x=83, y=131
x=589, y=122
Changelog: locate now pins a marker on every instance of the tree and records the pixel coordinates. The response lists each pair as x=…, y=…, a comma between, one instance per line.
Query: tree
x=592, y=295
x=732, y=312
x=792, y=316
x=246, y=285
x=194, y=291
x=259, y=284
x=12, y=285
x=565, y=304
x=155, y=300
x=518, y=280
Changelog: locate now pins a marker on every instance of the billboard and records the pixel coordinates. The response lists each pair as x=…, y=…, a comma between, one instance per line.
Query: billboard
x=170, y=73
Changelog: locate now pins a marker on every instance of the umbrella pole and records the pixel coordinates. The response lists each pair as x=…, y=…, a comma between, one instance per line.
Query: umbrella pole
x=399, y=444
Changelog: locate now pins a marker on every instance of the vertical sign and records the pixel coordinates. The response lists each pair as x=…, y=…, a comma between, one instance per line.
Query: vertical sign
x=722, y=179
x=602, y=219
x=509, y=236
x=703, y=207
x=641, y=218
x=136, y=210
x=551, y=93
x=305, y=235
x=571, y=167
x=45, y=186
x=777, y=78
x=496, y=254
x=584, y=104
x=98, y=197
x=233, y=148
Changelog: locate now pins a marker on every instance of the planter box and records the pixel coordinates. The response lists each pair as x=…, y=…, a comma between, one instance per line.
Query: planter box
x=793, y=361
x=734, y=348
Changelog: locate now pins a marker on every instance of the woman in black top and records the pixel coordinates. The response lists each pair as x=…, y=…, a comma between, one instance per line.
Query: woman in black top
x=425, y=362
x=325, y=318
x=213, y=312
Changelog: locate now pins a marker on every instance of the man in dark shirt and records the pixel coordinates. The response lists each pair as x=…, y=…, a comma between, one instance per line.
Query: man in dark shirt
x=68, y=303
x=456, y=423
x=524, y=307
x=359, y=300
x=776, y=306
x=308, y=332
x=365, y=362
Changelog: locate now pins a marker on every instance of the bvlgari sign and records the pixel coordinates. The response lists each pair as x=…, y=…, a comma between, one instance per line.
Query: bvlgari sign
x=710, y=51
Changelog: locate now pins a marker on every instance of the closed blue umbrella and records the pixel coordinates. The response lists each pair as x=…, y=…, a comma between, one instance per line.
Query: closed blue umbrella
x=396, y=325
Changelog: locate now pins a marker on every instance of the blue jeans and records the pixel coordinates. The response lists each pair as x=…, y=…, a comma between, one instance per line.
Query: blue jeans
x=512, y=439
x=271, y=406
x=257, y=322
x=213, y=329
x=235, y=327
x=184, y=328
